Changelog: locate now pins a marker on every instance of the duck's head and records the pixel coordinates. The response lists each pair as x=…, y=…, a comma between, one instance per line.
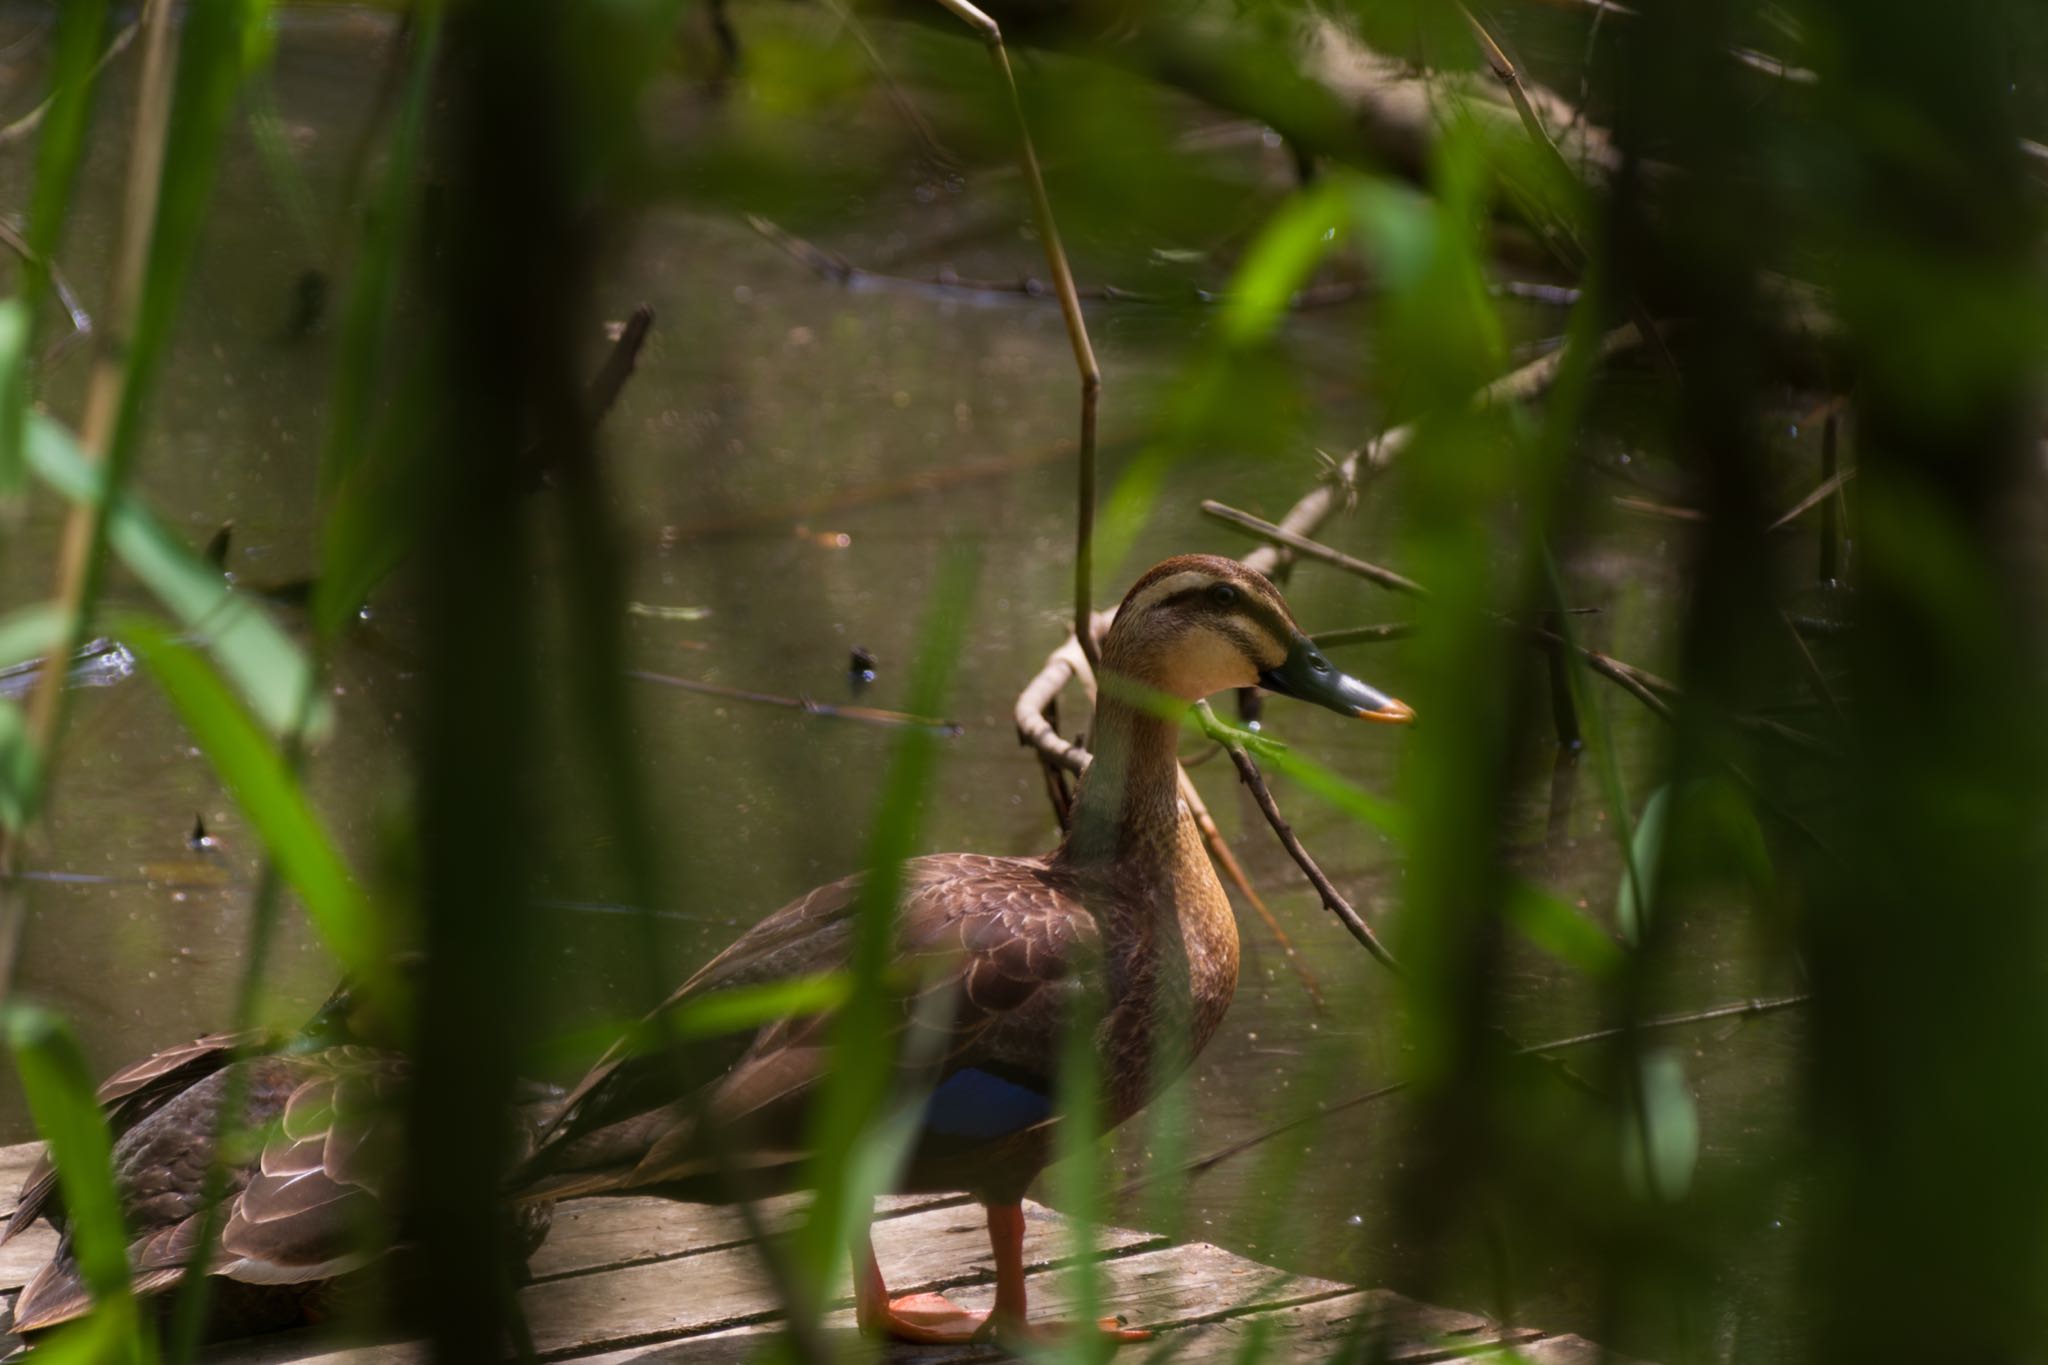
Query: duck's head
x=1197, y=625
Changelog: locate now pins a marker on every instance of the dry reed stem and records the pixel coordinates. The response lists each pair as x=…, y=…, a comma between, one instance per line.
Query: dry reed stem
x=84, y=531
x=1070, y=310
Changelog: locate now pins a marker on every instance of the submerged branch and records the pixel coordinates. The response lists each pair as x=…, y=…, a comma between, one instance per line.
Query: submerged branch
x=1737, y=1009
x=870, y=715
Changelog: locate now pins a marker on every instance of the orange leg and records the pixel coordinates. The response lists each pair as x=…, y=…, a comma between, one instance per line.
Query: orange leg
x=1008, y=1320
x=930, y=1319
x=936, y=1320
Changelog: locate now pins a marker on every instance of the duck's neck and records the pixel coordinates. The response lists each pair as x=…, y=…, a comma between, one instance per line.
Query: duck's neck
x=1127, y=811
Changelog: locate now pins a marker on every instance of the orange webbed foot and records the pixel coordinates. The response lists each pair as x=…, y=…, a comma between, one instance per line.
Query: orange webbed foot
x=1112, y=1330
x=935, y=1320
x=927, y=1319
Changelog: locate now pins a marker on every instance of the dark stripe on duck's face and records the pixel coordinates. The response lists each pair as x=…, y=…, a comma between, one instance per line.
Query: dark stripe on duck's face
x=1233, y=618
x=972, y=1103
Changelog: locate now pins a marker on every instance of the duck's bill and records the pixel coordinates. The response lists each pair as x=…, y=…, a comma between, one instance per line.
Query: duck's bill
x=1308, y=676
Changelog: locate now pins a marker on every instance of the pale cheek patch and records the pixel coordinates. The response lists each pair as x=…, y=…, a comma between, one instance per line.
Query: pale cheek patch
x=1206, y=663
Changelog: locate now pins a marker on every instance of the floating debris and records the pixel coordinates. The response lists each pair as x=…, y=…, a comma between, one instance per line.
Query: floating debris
x=216, y=551
x=661, y=613
x=860, y=671
x=101, y=663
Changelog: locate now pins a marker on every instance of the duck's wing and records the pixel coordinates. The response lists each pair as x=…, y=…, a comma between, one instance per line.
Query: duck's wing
x=325, y=1175
x=993, y=943
x=810, y=934
x=127, y=1097
x=295, y=1211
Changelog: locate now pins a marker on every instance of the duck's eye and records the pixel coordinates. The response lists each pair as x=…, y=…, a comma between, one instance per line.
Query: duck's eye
x=1223, y=594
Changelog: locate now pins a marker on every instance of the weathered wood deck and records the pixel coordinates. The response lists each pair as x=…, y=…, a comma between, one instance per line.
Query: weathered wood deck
x=649, y=1281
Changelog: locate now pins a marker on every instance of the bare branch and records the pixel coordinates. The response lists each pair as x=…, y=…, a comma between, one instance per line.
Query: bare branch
x=1333, y=900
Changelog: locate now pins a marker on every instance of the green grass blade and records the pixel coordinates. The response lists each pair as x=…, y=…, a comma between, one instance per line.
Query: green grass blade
x=268, y=669
x=20, y=773
x=61, y=1098
x=81, y=25
x=1288, y=248
x=270, y=797
x=850, y=1130
x=14, y=342
x=366, y=323
x=30, y=632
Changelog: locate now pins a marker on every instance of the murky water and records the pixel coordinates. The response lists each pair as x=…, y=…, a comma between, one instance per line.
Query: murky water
x=791, y=463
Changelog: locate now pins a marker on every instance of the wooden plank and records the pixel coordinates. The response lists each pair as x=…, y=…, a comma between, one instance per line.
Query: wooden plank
x=659, y=1283
x=931, y=1249
x=14, y=1164
x=1152, y=1288
x=592, y=1234
x=25, y=1255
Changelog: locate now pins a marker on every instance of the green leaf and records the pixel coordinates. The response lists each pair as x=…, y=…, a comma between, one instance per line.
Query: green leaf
x=1300, y=232
x=1635, y=902
x=81, y=25
x=858, y=1137
x=1562, y=931
x=268, y=669
x=270, y=797
x=373, y=517
x=366, y=323
x=61, y=1098
x=14, y=339
x=30, y=632
x=1663, y=1147
x=19, y=775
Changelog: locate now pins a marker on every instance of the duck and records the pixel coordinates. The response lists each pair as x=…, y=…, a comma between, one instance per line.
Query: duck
x=290, y=1236
x=1126, y=912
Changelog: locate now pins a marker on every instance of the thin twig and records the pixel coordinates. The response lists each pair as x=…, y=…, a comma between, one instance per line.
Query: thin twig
x=1302, y=545
x=832, y=266
x=1653, y=691
x=1826, y=489
x=1070, y=310
x=891, y=87
x=33, y=119
x=809, y=706
x=1813, y=669
x=81, y=321
x=1520, y=385
x=1225, y=859
x=1363, y=635
x=1333, y=900
x=1740, y=1008
x=1663, y=511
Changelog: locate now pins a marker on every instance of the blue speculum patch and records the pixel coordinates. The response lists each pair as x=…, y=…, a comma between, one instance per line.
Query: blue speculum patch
x=973, y=1103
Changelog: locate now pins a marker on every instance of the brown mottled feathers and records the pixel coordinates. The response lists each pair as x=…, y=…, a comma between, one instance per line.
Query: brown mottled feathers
x=295, y=1212
x=996, y=942
x=127, y=1097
